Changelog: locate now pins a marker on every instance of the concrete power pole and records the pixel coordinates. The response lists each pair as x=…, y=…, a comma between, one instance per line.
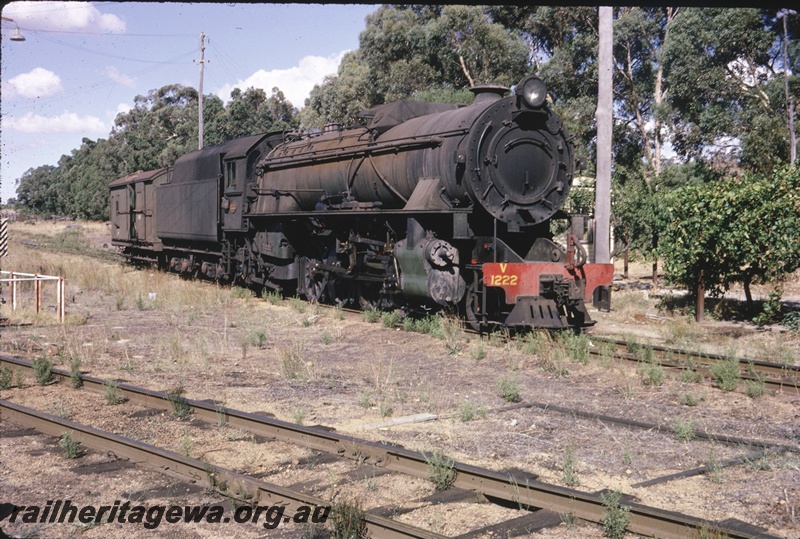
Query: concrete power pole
x=602, y=211
x=202, y=62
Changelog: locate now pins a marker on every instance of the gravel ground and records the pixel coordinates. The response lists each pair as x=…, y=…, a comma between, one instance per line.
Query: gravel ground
x=317, y=365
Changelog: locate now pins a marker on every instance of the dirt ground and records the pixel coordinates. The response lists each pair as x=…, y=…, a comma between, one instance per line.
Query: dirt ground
x=318, y=365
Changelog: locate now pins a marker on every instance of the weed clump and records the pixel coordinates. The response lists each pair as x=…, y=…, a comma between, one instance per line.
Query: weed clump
x=42, y=371
x=570, y=465
x=652, y=374
x=390, y=319
x=478, y=352
x=70, y=446
x=508, y=388
x=292, y=365
x=726, y=374
x=75, y=376
x=6, y=375
x=577, y=347
x=180, y=406
x=470, y=410
x=615, y=516
x=441, y=470
x=347, y=521
x=684, y=430
x=754, y=388
x=112, y=393
x=371, y=316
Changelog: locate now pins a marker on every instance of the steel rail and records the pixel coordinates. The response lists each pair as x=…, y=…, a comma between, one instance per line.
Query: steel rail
x=195, y=470
x=653, y=427
x=774, y=374
x=522, y=491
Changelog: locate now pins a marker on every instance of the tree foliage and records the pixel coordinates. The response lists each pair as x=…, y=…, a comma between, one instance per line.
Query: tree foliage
x=419, y=52
x=161, y=126
x=733, y=231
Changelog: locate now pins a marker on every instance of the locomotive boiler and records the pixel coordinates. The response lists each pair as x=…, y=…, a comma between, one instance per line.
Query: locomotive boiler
x=426, y=206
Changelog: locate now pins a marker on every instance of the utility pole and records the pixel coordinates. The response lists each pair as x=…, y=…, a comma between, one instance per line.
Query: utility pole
x=202, y=62
x=602, y=211
x=784, y=14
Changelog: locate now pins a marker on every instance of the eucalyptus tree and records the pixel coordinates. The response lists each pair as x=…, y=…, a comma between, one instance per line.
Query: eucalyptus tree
x=422, y=52
x=717, y=61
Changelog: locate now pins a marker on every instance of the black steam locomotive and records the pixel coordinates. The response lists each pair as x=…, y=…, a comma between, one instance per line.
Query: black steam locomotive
x=428, y=206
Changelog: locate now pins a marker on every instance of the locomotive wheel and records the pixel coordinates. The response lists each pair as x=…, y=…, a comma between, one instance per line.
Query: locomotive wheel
x=315, y=281
x=472, y=307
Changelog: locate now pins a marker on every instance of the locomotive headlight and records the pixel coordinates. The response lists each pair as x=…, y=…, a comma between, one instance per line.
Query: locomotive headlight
x=533, y=91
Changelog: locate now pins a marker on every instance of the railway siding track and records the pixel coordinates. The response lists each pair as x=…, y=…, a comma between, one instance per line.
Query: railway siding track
x=193, y=469
x=776, y=375
x=517, y=490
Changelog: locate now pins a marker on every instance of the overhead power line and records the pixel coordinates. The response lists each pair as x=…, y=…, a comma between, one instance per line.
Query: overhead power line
x=100, y=53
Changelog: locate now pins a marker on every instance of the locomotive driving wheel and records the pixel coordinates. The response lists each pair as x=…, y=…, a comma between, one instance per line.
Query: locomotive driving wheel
x=315, y=280
x=473, y=307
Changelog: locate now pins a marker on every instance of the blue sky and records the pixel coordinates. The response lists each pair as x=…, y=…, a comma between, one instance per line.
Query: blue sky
x=82, y=63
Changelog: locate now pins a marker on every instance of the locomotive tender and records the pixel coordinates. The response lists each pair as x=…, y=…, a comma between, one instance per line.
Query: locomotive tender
x=429, y=206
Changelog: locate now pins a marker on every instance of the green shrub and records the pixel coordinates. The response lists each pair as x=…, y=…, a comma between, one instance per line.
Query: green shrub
x=70, y=446
x=42, y=371
x=347, y=521
x=180, y=406
x=390, y=319
x=470, y=410
x=371, y=316
x=754, y=388
x=75, y=376
x=726, y=374
x=652, y=374
x=570, y=466
x=683, y=430
x=441, y=470
x=615, y=516
x=112, y=393
x=577, y=346
x=478, y=352
x=509, y=389
x=6, y=375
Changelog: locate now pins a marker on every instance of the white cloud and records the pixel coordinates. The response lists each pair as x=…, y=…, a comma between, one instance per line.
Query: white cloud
x=66, y=122
x=63, y=16
x=295, y=83
x=120, y=78
x=39, y=82
x=122, y=108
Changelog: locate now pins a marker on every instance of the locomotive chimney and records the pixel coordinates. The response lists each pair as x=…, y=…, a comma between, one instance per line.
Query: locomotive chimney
x=486, y=93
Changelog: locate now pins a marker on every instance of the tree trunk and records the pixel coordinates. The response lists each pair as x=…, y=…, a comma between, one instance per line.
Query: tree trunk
x=465, y=70
x=625, y=264
x=700, y=303
x=748, y=295
x=655, y=272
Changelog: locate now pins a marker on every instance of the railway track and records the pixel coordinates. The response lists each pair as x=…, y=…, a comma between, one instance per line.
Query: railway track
x=775, y=375
x=510, y=488
x=258, y=491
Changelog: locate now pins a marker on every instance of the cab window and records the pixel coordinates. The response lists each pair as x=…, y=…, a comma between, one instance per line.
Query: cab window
x=230, y=174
